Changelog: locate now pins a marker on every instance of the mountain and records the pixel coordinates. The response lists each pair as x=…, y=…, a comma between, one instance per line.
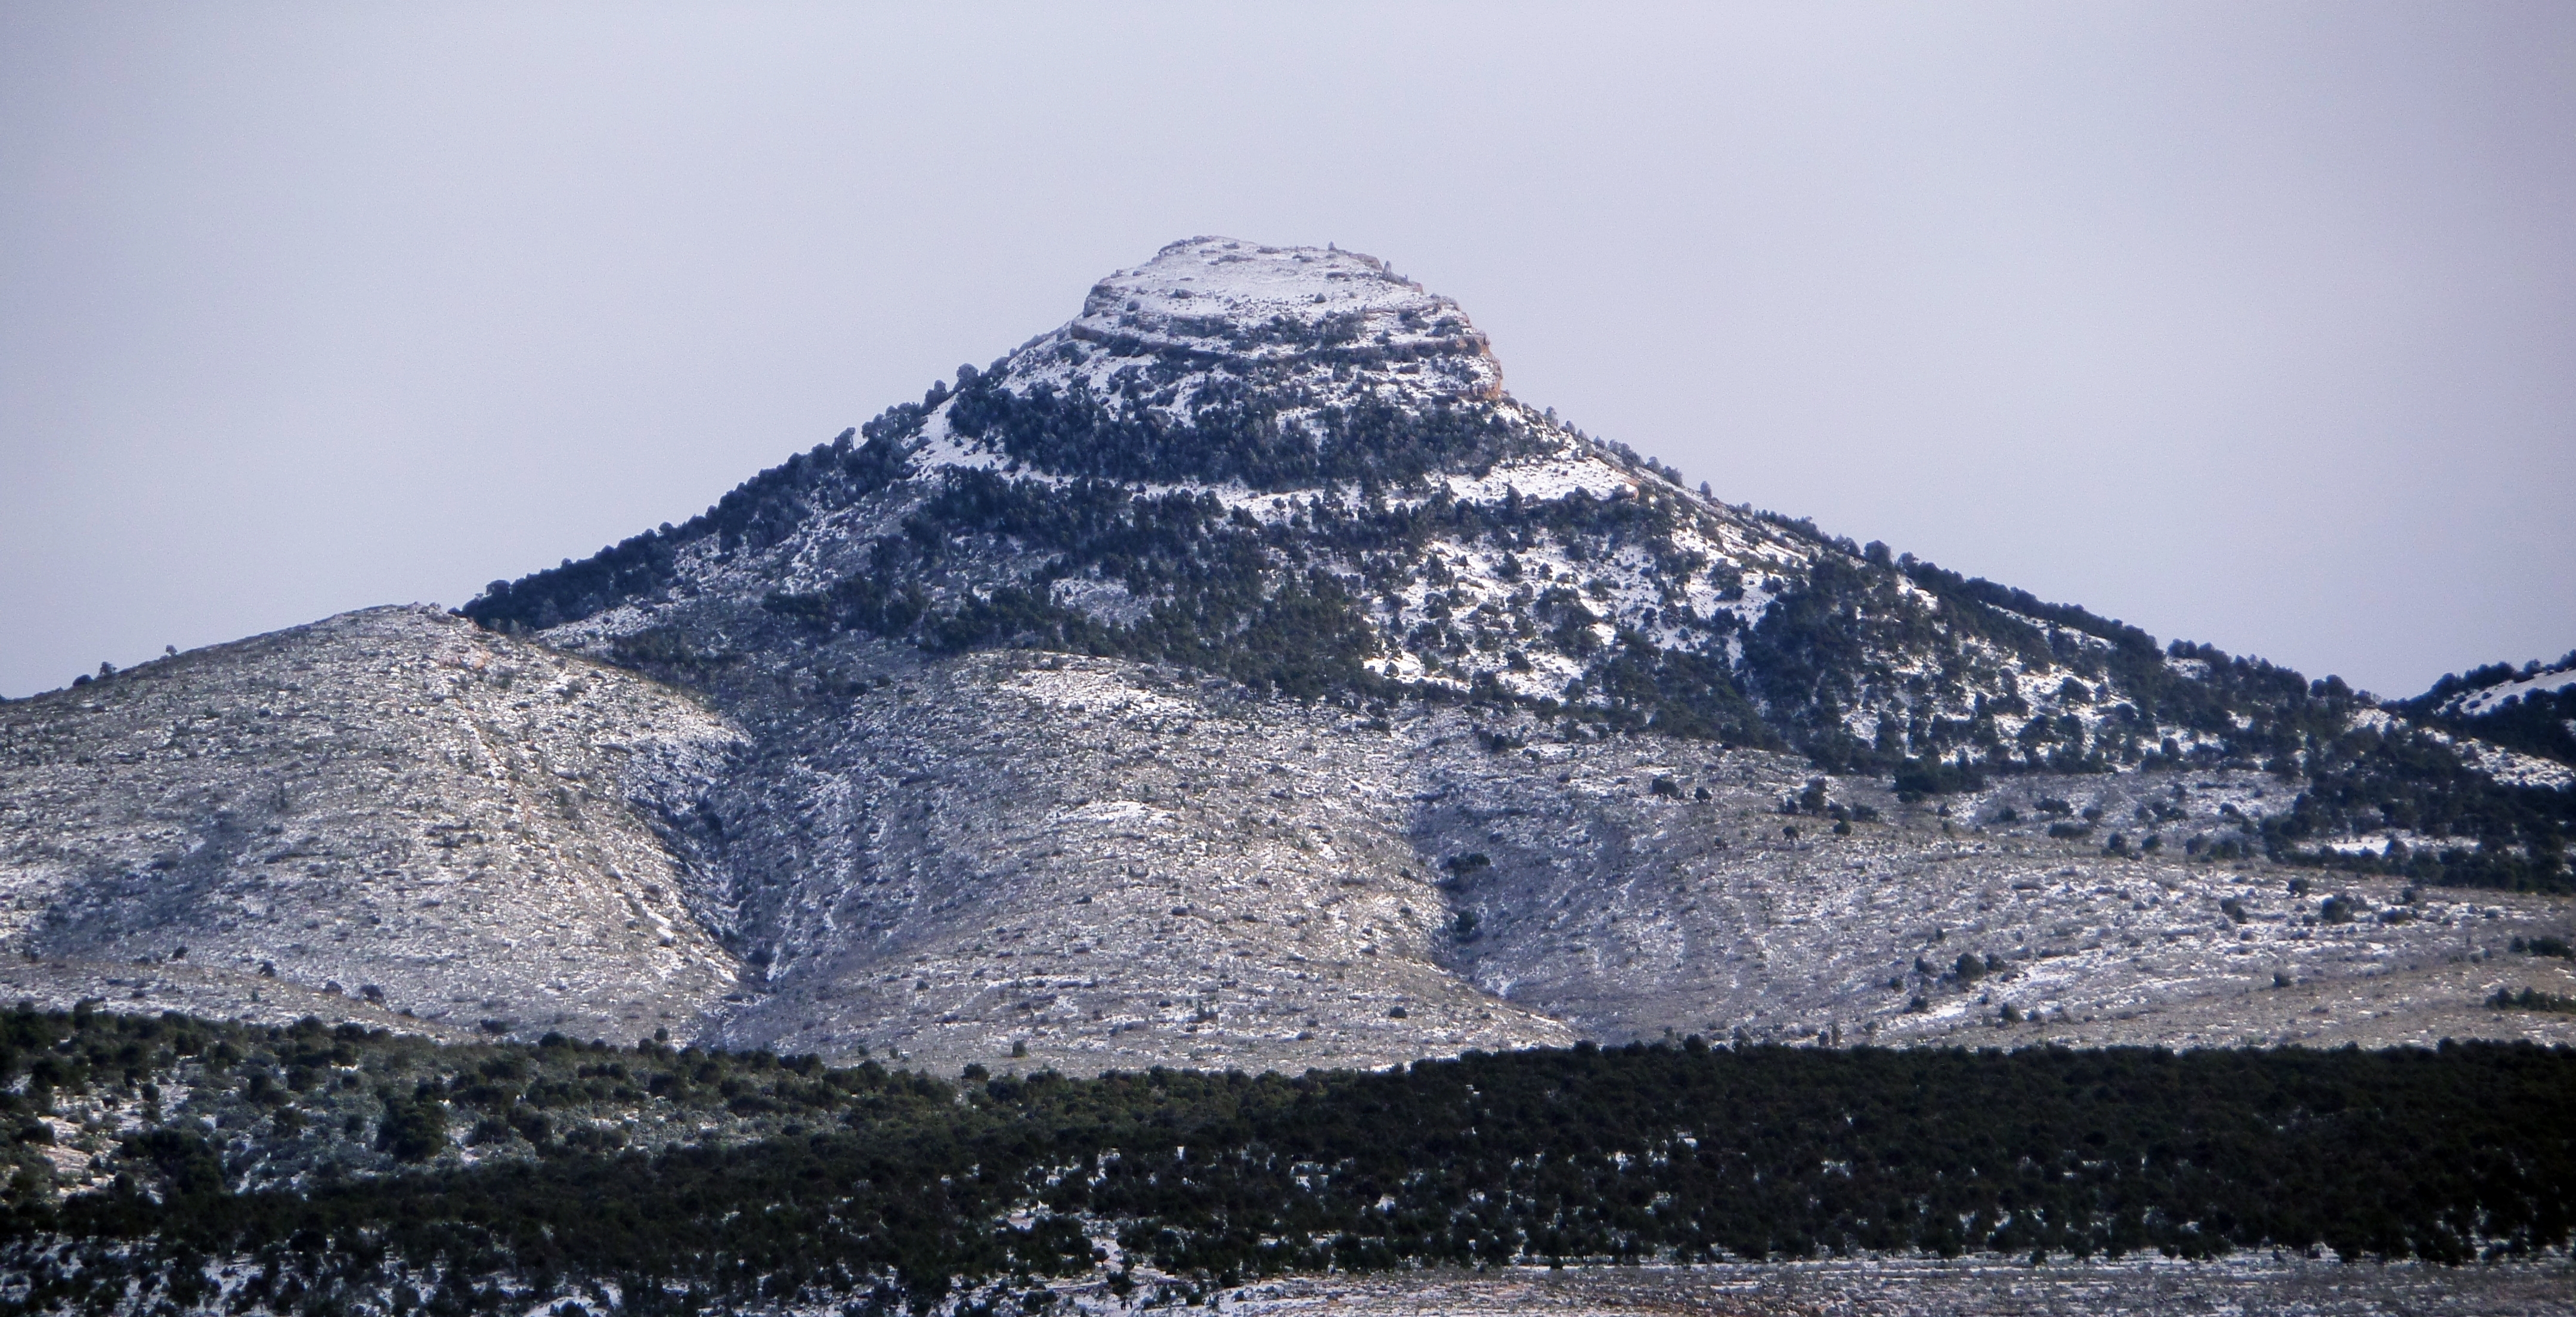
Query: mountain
x=1237, y=676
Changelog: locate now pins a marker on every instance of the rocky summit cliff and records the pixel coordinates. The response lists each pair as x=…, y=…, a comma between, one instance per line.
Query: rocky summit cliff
x=1238, y=676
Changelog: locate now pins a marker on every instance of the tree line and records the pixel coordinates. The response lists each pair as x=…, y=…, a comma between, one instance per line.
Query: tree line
x=903, y=1185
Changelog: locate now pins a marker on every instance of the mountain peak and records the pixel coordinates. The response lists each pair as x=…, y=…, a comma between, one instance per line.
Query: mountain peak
x=1229, y=298
x=1226, y=361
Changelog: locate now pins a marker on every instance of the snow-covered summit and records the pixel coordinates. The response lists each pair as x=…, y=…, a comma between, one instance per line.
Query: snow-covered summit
x=1302, y=314
x=1233, y=298
x=1227, y=361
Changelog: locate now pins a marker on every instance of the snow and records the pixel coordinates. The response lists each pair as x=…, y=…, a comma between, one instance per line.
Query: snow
x=1107, y=602
x=1337, y=327
x=2514, y=768
x=2510, y=767
x=1078, y=690
x=2381, y=842
x=940, y=446
x=1544, y=481
x=595, y=630
x=1179, y=298
x=2486, y=701
x=1112, y=811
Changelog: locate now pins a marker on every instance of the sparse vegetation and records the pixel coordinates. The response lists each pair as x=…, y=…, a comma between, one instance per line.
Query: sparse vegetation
x=2530, y=999
x=1682, y=1152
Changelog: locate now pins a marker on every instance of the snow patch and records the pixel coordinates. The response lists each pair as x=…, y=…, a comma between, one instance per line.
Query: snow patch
x=2514, y=768
x=2488, y=700
x=1076, y=691
x=1543, y=481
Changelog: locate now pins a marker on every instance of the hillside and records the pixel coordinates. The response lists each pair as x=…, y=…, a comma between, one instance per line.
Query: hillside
x=388, y=811
x=1238, y=676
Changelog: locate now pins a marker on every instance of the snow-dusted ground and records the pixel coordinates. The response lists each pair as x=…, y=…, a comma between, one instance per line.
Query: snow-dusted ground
x=2246, y=1285
x=2486, y=701
x=1904, y=1287
x=2511, y=767
x=1113, y=866
x=391, y=808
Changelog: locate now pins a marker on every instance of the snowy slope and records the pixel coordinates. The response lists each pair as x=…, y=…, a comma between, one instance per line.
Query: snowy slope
x=2480, y=702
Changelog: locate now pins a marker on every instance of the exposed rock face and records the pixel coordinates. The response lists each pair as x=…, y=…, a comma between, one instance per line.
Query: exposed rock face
x=1237, y=676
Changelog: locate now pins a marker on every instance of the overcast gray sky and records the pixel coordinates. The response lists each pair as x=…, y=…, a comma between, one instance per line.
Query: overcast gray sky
x=2249, y=323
